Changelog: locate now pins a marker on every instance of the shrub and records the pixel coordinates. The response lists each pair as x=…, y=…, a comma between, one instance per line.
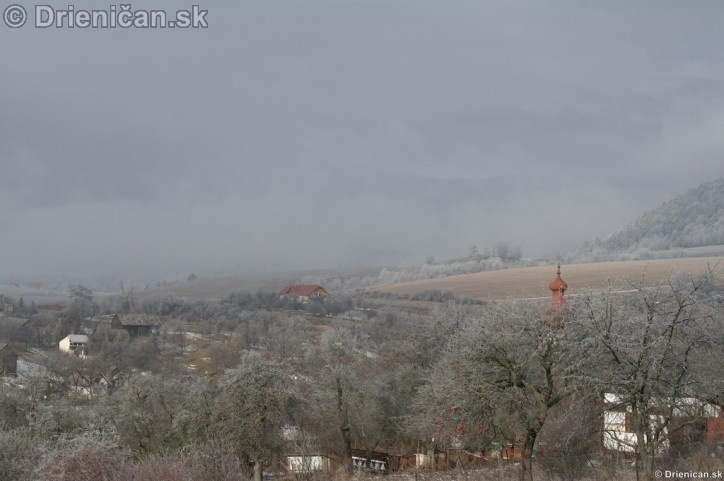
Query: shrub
x=84, y=458
x=17, y=457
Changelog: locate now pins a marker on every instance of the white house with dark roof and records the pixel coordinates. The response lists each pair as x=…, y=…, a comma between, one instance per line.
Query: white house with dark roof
x=74, y=343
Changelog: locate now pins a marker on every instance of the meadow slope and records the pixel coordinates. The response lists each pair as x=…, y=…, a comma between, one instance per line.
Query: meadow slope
x=532, y=282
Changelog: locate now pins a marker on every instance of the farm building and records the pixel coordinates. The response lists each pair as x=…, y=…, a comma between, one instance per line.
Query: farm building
x=135, y=324
x=303, y=292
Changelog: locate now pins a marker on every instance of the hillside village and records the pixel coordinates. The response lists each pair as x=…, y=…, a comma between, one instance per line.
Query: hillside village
x=581, y=371
x=306, y=382
x=332, y=240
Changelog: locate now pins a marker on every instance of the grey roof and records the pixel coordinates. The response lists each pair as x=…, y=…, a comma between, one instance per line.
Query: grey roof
x=138, y=320
x=77, y=338
x=13, y=321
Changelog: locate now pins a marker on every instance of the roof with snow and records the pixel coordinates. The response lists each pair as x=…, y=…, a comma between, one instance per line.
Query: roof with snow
x=77, y=338
x=137, y=319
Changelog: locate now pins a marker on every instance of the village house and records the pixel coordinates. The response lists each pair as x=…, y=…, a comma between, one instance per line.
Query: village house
x=8, y=361
x=308, y=463
x=75, y=344
x=618, y=434
x=385, y=462
x=303, y=292
x=302, y=457
x=378, y=462
x=15, y=322
x=135, y=324
x=14, y=327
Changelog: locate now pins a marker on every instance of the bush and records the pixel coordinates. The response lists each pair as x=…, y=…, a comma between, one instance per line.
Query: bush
x=17, y=457
x=168, y=468
x=84, y=459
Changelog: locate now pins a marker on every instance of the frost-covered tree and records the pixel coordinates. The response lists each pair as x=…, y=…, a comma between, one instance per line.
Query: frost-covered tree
x=659, y=350
x=499, y=378
x=80, y=308
x=340, y=356
x=154, y=414
x=251, y=409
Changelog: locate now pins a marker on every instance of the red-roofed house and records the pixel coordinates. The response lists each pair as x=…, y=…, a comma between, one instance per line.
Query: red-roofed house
x=304, y=292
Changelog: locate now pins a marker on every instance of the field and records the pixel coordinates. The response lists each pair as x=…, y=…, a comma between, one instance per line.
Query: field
x=217, y=288
x=532, y=282
x=213, y=289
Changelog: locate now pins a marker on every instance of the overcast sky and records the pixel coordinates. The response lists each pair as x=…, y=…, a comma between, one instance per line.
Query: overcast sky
x=302, y=134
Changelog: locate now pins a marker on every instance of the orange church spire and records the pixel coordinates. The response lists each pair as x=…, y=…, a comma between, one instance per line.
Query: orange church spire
x=558, y=288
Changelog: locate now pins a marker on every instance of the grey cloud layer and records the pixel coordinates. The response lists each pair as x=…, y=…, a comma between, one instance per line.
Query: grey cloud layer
x=300, y=134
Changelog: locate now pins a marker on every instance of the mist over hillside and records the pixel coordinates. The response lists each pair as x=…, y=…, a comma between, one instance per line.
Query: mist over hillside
x=690, y=220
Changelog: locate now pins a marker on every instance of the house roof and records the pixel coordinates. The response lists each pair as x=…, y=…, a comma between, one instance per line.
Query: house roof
x=15, y=322
x=138, y=320
x=300, y=289
x=77, y=338
x=7, y=351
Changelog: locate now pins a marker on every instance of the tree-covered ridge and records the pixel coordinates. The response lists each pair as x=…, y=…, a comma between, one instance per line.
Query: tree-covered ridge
x=690, y=220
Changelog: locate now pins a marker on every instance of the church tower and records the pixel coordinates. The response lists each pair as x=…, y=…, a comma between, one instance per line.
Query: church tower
x=558, y=288
x=557, y=308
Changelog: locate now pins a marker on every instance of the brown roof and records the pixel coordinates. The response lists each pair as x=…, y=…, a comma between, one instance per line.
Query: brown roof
x=300, y=289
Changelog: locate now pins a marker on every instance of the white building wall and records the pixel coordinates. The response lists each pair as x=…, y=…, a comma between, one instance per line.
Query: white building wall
x=305, y=464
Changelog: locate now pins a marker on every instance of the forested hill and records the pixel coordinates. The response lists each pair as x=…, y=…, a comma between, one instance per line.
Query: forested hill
x=690, y=220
